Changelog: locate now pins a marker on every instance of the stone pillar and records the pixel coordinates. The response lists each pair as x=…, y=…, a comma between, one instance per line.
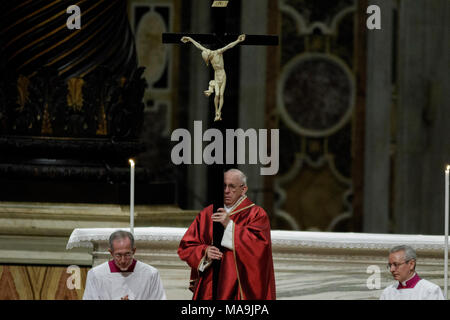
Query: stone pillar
x=423, y=142
x=253, y=86
x=378, y=122
x=198, y=103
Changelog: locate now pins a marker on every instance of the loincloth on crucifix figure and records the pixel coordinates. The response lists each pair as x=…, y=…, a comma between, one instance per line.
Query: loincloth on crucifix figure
x=215, y=57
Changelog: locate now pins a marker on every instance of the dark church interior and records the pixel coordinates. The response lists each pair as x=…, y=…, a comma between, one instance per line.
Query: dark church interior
x=361, y=111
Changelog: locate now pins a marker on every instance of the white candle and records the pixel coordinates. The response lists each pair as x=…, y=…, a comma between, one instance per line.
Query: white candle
x=446, y=233
x=131, y=196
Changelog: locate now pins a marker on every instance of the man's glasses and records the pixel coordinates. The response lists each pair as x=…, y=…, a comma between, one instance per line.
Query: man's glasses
x=119, y=256
x=395, y=265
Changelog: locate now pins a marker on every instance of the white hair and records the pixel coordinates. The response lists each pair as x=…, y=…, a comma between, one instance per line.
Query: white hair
x=410, y=253
x=120, y=234
x=242, y=176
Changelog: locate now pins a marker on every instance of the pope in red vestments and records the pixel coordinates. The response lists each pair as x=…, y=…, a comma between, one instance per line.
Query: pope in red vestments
x=246, y=268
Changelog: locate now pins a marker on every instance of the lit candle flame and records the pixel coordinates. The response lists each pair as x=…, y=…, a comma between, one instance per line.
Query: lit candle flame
x=131, y=161
x=447, y=169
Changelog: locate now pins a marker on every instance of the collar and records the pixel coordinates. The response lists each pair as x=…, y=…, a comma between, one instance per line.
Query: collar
x=114, y=268
x=240, y=205
x=235, y=205
x=410, y=283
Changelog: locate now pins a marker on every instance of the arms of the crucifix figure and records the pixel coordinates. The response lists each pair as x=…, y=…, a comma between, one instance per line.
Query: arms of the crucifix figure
x=232, y=44
x=198, y=45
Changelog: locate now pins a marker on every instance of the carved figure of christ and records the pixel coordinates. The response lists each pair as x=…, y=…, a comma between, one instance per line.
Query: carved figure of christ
x=215, y=57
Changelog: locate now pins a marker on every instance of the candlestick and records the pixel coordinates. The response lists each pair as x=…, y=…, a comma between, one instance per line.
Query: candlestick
x=446, y=232
x=131, y=196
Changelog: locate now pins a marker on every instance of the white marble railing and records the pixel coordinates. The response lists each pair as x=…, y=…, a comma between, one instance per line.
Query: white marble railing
x=308, y=265
x=280, y=239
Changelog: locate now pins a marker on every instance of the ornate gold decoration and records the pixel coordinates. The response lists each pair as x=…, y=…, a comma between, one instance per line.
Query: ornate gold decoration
x=46, y=124
x=75, y=93
x=22, y=88
x=102, y=127
x=222, y=4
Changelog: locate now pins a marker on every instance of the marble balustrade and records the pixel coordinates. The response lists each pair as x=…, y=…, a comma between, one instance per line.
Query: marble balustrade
x=308, y=265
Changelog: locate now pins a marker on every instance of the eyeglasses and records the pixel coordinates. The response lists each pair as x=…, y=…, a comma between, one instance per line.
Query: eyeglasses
x=232, y=187
x=395, y=265
x=119, y=256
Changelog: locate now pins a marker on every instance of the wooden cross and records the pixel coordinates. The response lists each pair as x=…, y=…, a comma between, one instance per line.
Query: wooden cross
x=219, y=39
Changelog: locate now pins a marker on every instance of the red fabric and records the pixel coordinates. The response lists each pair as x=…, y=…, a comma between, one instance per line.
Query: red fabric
x=253, y=252
x=411, y=283
x=114, y=268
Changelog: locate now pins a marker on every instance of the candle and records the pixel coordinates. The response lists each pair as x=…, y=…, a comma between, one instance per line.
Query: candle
x=131, y=196
x=446, y=232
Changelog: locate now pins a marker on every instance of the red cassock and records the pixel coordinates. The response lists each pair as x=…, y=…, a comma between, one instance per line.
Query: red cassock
x=246, y=273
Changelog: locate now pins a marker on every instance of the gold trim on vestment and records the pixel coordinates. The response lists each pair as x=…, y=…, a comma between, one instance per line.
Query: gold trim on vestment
x=235, y=264
x=237, y=204
x=234, y=248
x=242, y=209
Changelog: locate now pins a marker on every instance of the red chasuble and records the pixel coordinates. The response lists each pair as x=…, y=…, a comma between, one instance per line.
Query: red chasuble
x=246, y=273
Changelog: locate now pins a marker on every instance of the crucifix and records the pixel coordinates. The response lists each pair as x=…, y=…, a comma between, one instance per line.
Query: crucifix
x=221, y=41
x=215, y=57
